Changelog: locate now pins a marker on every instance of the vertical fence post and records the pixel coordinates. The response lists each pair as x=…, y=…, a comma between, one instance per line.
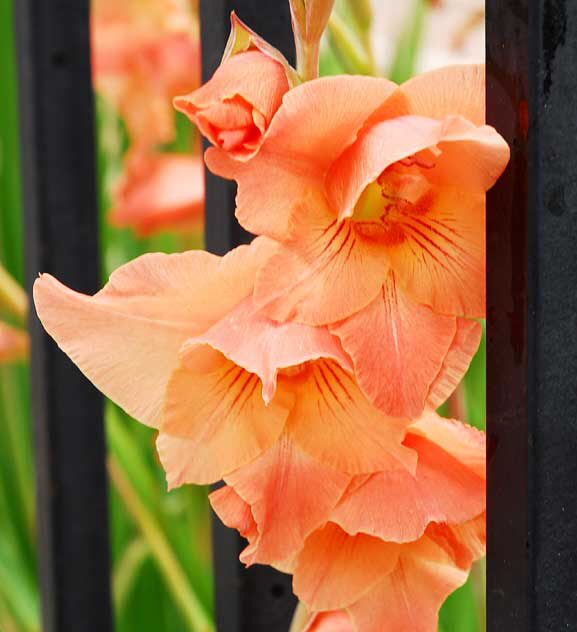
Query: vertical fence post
x=532, y=318
x=59, y=186
x=258, y=599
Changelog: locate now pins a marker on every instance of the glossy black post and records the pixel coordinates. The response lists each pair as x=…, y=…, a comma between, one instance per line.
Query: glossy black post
x=258, y=599
x=532, y=318
x=59, y=186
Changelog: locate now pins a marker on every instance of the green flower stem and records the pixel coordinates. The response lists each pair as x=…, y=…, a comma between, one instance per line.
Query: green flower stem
x=348, y=49
x=161, y=551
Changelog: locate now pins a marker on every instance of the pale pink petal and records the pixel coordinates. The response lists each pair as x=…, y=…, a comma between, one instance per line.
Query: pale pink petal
x=398, y=348
x=334, y=423
x=457, y=361
x=263, y=346
x=398, y=507
x=126, y=337
x=214, y=419
x=334, y=569
x=290, y=495
x=315, y=123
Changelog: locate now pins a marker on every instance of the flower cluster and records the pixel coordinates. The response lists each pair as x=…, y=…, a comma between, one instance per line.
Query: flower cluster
x=145, y=52
x=304, y=370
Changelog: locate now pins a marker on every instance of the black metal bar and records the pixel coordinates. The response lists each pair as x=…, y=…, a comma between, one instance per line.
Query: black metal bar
x=532, y=318
x=258, y=599
x=58, y=171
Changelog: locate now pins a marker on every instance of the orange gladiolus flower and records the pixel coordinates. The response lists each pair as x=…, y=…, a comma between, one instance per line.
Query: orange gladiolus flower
x=144, y=53
x=379, y=203
x=219, y=379
x=14, y=344
x=159, y=192
x=390, y=549
x=338, y=621
x=234, y=109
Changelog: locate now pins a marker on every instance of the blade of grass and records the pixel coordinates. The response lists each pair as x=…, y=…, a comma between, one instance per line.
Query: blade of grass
x=404, y=61
x=169, y=565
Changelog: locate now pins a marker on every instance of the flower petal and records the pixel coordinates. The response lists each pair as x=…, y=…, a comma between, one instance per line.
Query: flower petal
x=290, y=495
x=262, y=346
x=126, y=337
x=465, y=443
x=335, y=569
x=214, y=419
x=329, y=273
x=315, y=123
x=457, y=361
x=234, y=512
x=451, y=91
x=398, y=348
x=398, y=507
x=244, y=83
x=333, y=422
x=470, y=157
x=160, y=191
x=440, y=262
x=335, y=621
x=409, y=598
x=14, y=344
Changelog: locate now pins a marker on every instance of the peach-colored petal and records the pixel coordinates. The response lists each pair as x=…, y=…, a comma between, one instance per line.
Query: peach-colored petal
x=470, y=157
x=449, y=91
x=214, y=419
x=465, y=443
x=263, y=346
x=160, y=191
x=333, y=422
x=335, y=569
x=440, y=261
x=336, y=621
x=398, y=348
x=409, y=598
x=14, y=344
x=242, y=38
x=290, y=495
x=246, y=89
x=126, y=337
x=329, y=273
x=398, y=507
x=457, y=361
x=315, y=123
x=234, y=511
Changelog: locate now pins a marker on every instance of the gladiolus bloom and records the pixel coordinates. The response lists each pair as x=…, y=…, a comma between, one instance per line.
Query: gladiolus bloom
x=141, y=72
x=392, y=547
x=158, y=192
x=14, y=344
x=175, y=341
x=378, y=198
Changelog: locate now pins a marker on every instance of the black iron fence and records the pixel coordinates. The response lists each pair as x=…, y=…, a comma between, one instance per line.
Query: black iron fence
x=532, y=317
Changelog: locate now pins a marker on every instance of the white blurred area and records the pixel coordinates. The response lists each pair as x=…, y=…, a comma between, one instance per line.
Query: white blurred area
x=453, y=32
